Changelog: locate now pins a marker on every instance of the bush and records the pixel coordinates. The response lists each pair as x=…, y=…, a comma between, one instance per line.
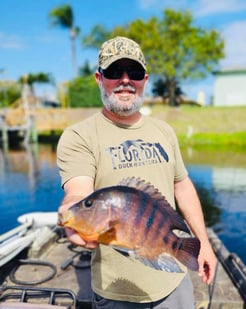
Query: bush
x=84, y=92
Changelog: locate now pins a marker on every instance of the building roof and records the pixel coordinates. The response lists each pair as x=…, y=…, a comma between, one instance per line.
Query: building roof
x=232, y=71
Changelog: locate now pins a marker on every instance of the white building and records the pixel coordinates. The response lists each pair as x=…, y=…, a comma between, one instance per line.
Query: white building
x=230, y=87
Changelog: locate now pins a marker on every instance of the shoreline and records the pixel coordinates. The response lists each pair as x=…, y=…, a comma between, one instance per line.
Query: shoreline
x=194, y=126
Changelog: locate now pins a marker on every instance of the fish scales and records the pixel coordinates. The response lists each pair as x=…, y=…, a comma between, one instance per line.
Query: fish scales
x=127, y=229
x=134, y=217
x=155, y=228
x=152, y=224
x=142, y=214
x=160, y=228
x=140, y=218
x=149, y=223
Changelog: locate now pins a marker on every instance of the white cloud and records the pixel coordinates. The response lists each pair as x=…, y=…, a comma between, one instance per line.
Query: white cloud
x=144, y=4
x=10, y=41
x=52, y=38
x=199, y=7
x=209, y=7
x=160, y=4
x=235, y=45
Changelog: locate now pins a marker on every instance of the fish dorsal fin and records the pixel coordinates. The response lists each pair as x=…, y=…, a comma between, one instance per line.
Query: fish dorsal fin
x=142, y=185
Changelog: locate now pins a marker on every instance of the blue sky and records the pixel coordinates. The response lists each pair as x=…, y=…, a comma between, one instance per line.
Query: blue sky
x=28, y=44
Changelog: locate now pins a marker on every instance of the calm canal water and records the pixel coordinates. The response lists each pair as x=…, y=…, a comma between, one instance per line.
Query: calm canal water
x=29, y=181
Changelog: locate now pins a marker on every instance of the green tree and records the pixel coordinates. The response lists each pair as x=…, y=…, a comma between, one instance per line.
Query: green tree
x=98, y=35
x=160, y=88
x=83, y=92
x=32, y=78
x=9, y=93
x=63, y=16
x=175, y=48
x=85, y=69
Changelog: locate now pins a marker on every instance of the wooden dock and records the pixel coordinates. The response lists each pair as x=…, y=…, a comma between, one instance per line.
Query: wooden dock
x=228, y=290
x=73, y=272
x=29, y=124
x=25, y=131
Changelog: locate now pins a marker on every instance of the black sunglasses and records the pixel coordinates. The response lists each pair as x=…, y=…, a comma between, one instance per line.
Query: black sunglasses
x=114, y=71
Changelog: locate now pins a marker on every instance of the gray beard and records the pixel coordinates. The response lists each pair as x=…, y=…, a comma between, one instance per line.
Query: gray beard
x=111, y=104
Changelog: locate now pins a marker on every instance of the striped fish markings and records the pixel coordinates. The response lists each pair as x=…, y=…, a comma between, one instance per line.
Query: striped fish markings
x=134, y=218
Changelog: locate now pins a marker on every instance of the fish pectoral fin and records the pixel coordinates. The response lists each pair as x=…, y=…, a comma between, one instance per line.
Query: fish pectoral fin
x=109, y=227
x=123, y=251
x=163, y=262
x=108, y=236
x=168, y=263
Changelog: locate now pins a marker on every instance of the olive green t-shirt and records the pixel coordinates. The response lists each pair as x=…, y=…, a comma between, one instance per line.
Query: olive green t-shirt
x=108, y=152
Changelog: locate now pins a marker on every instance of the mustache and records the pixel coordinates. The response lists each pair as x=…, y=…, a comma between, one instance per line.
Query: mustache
x=124, y=87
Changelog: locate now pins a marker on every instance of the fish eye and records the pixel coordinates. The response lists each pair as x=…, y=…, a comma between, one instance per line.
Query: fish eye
x=88, y=203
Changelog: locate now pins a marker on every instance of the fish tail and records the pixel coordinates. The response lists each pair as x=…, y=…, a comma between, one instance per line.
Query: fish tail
x=188, y=251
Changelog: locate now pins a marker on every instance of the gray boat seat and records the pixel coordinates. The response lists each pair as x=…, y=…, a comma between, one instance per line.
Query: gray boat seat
x=21, y=305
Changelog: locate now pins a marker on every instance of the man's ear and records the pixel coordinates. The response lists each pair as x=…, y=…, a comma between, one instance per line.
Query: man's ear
x=98, y=78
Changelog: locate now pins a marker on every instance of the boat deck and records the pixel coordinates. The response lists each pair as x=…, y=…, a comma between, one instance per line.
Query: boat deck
x=72, y=265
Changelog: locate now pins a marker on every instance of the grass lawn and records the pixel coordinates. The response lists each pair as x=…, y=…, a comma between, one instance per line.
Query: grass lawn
x=206, y=125
x=196, y=126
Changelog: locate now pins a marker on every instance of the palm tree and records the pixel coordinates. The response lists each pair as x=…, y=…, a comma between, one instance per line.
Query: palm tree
x=63, y=16
x=31, y=78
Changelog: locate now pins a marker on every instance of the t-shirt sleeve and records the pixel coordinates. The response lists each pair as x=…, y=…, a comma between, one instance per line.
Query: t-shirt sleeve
x=74, y=155
x=180, y=169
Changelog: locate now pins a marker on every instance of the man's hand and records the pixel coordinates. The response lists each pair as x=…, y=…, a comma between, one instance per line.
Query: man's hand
x=207, y=263
x=76, y=239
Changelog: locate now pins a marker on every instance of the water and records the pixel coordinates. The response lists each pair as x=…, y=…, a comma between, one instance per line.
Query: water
x=220, y=179
x=29, y=181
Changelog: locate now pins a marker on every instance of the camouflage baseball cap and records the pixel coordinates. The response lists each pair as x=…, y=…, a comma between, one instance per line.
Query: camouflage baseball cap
x=118, y=48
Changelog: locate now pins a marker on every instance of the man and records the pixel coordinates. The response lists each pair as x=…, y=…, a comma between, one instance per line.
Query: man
x=120, y=142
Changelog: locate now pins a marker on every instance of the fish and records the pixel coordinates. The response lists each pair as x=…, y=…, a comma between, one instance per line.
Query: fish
x=135, y=219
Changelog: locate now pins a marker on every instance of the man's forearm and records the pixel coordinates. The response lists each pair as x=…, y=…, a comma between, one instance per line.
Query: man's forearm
x=190, y=207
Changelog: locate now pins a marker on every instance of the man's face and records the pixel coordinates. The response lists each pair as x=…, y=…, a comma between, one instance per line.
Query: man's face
x=122, y=86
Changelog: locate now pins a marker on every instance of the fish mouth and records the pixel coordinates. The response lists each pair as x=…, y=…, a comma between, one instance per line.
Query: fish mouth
x=91, y=237
x=63, y=219
x=66, y=220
